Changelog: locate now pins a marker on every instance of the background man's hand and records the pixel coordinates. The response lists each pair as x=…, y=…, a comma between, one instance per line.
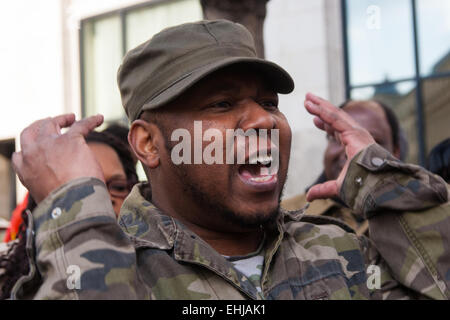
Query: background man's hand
x=339, y=124
x=48, y=158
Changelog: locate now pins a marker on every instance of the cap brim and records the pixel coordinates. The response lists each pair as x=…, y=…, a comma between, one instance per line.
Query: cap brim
x=278, y=78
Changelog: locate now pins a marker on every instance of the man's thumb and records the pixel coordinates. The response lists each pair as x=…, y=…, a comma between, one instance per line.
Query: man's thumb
x=324, y=190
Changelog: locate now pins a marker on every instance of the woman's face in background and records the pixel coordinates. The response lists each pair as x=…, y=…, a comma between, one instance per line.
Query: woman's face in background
x=113, y=171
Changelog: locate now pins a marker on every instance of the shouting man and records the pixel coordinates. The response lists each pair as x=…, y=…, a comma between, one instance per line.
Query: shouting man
x=215, y=230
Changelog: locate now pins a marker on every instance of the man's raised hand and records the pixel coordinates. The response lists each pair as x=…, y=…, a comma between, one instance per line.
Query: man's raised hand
x=48, y=159
x=348, y=132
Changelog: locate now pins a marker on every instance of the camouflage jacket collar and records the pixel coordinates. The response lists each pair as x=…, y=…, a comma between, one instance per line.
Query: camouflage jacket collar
x=144, y=223
x=148, y=227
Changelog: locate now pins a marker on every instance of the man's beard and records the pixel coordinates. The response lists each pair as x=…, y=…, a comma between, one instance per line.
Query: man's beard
x=212, y=202
x=214, y=205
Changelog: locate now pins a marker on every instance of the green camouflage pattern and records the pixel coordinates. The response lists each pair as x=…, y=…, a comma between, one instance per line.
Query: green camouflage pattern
x=149, y=255
x=329, y=208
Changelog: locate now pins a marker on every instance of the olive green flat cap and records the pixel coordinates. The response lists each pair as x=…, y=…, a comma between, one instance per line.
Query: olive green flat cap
x=161, y=69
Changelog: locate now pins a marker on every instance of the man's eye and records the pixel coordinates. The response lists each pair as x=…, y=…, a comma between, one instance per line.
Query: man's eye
x=269, y=104
x=222, y=104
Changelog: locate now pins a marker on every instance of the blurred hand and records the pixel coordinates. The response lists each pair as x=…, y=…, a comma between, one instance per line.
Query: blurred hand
x=347, y=131
x=49, y=159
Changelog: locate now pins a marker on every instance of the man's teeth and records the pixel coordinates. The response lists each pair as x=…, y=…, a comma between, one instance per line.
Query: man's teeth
x=261, y=179
x=262, y=160
x=267, y=170
x=264, y=171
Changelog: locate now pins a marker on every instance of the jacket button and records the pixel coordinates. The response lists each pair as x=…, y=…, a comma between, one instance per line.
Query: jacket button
x=377, y=162
x=56, y=213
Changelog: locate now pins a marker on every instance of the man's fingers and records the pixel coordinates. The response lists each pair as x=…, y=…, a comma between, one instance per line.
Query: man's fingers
x=325, y=190
x=45, y=127
x=53, y=125
x=319, y=123
x=313, y=98
x=325, y=127
x=29, y=134
x=328, y=113
x=332, y=117
x=83, y=127
x=64, y=121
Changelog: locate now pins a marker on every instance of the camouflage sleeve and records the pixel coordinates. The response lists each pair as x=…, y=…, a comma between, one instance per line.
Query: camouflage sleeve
x=409, y=222
x=81, y=252
x=377, y=181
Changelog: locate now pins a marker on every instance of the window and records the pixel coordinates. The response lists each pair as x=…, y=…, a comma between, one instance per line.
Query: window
x=105, y=39
x=398, y=52
x=102, y=51
x=434, y=36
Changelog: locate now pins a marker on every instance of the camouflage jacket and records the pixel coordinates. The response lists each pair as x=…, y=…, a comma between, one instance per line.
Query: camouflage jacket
x=329, y=208
x=81, y=252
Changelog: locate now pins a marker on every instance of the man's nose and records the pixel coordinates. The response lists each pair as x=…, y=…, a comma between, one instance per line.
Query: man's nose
x=255, y=116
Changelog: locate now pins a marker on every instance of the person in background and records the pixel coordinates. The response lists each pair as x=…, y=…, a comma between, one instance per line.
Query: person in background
x=16, y=220
x=438, y=160
x=383, y=125
x=117, y=163
x=118, y=168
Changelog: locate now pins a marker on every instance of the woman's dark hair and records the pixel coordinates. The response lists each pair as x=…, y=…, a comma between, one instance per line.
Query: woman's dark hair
x=121, y=149
x=121, y=132
x=118, y=131
x=438, y=160
x=393, y=123
x=15, y=263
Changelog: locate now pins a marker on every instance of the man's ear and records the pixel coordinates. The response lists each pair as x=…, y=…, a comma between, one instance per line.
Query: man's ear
x=145, y=139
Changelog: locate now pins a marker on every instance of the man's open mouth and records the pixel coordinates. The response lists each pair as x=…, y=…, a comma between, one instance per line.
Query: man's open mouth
x=260, y=172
